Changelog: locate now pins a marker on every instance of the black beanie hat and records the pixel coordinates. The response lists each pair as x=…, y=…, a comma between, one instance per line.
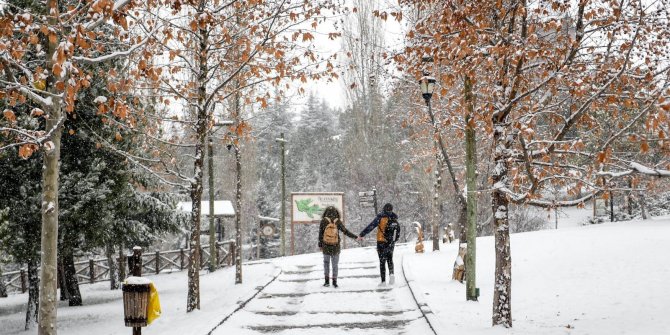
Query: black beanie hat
x=388, y=208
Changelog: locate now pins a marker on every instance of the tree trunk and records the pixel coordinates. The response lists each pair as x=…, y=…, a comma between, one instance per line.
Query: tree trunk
x=193, y=299
x=643, y=206
x=64, y=294
x=113, y=274
x=33, y=294
x=238, y=192
x=436, y=204
x=471, y=179
x=502, y=287
x=3, y=287
x=49, y=242
x=70, y=276
x=122, y=263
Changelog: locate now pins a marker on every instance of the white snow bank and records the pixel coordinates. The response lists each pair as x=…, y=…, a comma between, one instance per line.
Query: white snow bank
x=598, y=279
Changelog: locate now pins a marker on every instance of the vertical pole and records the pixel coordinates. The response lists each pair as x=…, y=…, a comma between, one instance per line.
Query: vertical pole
x=556, y=216
x=374, y=198
x=471, y=182
x=292, y=233
x=258, y=241
x=137, y=272
x=282, y=216
x=212, y=233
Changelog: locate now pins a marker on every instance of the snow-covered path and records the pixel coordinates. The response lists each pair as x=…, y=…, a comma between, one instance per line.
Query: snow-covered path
x=297, y=303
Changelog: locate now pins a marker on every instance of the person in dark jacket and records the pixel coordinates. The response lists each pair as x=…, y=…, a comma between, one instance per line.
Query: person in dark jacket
x=388, y=232
x=329, y=241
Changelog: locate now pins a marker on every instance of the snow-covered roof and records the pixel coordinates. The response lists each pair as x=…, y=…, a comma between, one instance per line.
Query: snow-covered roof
x=221, y=208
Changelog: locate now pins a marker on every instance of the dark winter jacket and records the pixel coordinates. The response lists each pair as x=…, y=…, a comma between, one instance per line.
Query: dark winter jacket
x=333, y=249
x=380, y=223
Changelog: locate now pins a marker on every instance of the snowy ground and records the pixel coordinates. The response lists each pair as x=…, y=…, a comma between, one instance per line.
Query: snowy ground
x=610, y=278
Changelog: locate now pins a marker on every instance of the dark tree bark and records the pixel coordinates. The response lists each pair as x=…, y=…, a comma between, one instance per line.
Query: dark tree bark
x=33, y=295
x=70, y=277
x=122, y=263
x=64, y=294
x=3, y=287
x=113, y=278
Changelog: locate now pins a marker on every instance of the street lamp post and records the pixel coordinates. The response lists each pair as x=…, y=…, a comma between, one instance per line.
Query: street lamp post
x=282, y=217
x=427, y=84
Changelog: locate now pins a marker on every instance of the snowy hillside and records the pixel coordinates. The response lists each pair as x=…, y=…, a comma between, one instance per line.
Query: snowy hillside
x=601, y=279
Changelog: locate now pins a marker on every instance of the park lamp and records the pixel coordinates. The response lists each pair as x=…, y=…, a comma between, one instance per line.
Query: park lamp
x=427, y=84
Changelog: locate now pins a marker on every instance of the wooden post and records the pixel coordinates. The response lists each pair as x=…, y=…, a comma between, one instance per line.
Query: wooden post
x=91, y=271
x=137, y=272
x=181, y=258
x=158, y=262
x=23, y=281
x=137, y=262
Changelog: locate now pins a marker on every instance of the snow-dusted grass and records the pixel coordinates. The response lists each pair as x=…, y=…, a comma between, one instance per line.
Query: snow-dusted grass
x=610, y=278
x=102, y=313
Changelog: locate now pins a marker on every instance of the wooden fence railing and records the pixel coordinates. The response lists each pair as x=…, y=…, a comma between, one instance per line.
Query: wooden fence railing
x=97, y=270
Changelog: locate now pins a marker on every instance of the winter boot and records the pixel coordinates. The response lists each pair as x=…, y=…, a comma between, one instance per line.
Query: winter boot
x=391, y=279
x=335, y=282
x=327, y=283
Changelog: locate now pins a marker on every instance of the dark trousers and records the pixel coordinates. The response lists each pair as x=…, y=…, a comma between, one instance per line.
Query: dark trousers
x=385, y=253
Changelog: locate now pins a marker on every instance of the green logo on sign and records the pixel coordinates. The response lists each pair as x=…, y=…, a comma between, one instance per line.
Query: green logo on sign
x=305, y=207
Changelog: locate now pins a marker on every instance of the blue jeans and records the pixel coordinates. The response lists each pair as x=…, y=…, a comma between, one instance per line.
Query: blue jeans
x=327, y=260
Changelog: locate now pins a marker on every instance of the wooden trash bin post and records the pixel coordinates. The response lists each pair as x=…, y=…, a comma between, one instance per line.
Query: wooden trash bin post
x=136, y=296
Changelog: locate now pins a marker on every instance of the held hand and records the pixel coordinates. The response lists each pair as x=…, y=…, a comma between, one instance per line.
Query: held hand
x=359, y=239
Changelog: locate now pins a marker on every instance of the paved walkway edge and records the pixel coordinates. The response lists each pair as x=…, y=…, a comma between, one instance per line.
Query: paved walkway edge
x=248, y=298
x=431, y=318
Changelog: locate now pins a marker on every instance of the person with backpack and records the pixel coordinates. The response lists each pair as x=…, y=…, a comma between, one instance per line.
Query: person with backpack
x=329, y=241
x=388, y=232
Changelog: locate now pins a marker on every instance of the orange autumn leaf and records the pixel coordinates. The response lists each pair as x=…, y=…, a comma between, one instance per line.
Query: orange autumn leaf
x=307, y=37
x=644, y=146
x=27, y=150
x=9, y=115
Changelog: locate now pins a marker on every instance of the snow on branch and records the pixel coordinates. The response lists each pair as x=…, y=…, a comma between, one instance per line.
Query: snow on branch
x=636, y=168
x=117, y=54
x=118, y=4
